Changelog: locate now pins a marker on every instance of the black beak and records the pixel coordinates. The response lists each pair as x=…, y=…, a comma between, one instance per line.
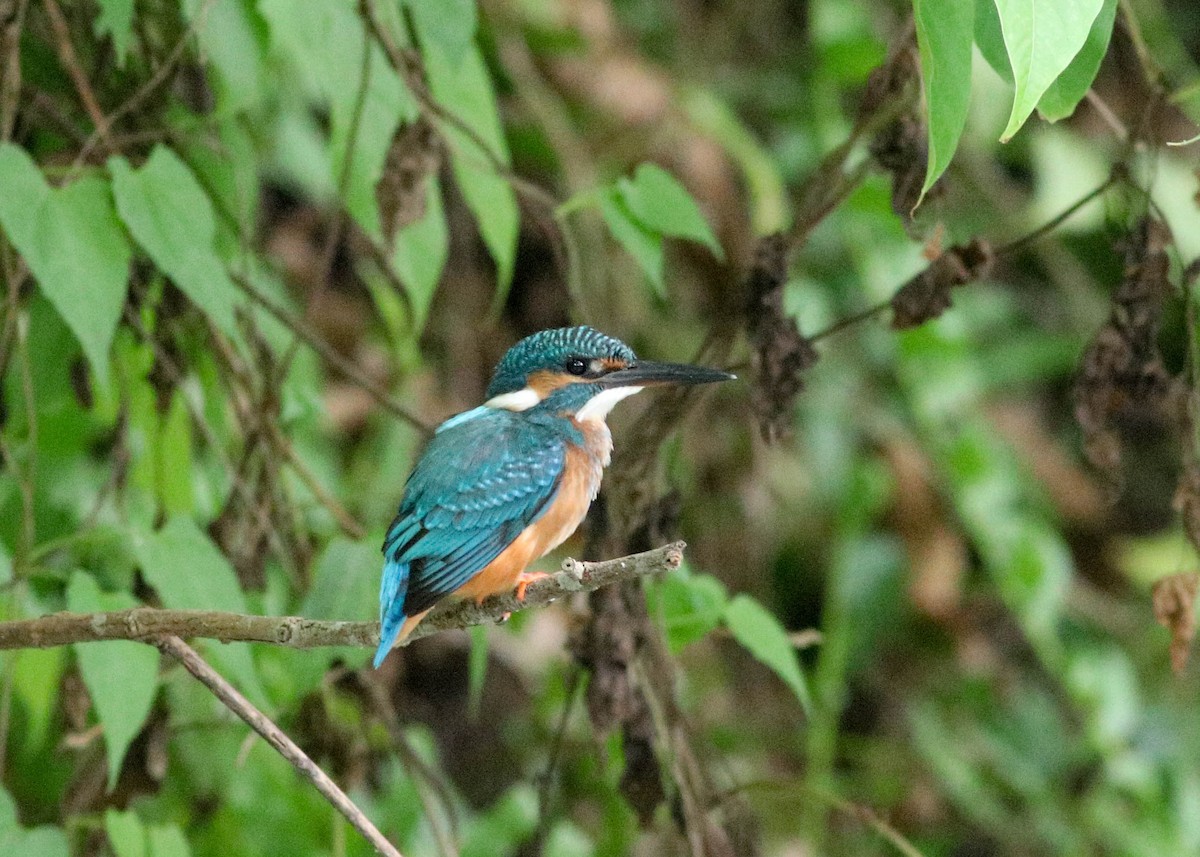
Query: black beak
x=644, y=373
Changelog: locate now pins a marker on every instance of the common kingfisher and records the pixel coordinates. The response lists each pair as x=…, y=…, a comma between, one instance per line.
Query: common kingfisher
x=502, y=485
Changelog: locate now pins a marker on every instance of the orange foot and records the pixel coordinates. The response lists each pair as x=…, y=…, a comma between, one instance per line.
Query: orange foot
x=524, y=579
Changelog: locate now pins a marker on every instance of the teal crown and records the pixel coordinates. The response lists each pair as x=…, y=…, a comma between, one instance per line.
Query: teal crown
x=551, y=350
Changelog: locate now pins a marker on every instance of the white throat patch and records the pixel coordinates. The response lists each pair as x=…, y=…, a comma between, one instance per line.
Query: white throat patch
x=600, y=404
x=518, y=400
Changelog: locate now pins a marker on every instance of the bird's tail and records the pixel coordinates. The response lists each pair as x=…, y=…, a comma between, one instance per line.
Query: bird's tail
x=392, y=595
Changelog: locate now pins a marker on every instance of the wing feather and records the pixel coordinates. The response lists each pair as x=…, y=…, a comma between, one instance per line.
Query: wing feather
x=479, y=484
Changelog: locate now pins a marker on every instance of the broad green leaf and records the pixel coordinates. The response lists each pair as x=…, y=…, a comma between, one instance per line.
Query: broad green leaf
x=125, y=833
x=35, y=676
x=504, y=825
x=345, y=582
x=116, y=20
x=420, y=253
x=1042, y=38
x=756, y=628
x=345, y=586
x=465, y=90
x=167, y=840
x=8, y=816
x=171, y=217
x=41, y=841
x=1069, y=88
x=74, y=245
x=660, y=203
x=448, y=23
x=187, y=570
x=990, y=38
x=645, y=246
x=689, y=606
x=945, y=30
x=190, y=573
x=233, y=43
x=121, y=676
x=329, y=48
x=173, y=465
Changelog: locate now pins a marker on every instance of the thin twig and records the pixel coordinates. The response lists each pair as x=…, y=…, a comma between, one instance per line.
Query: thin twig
x=70, y=61
x=850, y=321
x=152, y=83
x=330, y=356
x=1107, y=114
x=546, y=780
x=149, y=623
x=1053, y=223
x=429, y=104
x=345, y=521
x=277, y=738
x=444, y=834
x=329, y=251
x=11, y=25
x=1016, y=244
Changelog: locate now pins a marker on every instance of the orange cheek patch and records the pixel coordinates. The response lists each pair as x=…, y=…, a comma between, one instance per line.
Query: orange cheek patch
x=611, y=364
x=544, y=382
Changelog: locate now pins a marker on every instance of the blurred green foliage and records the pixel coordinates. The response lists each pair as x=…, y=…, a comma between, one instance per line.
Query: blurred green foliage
x=297, y=235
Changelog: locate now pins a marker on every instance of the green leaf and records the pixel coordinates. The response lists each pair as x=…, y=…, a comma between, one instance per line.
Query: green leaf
x=713, y=117
x=450, y=24
x=187, y=570
x=689, y=605
x=326, y=46
x=121, y=676
x=1042, y=38
x=173, y=459
x=663, y=205
x=645, y=246
x=167, y=840
x=345, y=586
x=477, y=664
x=420, y=253
x=345, y=582
x=74, y=245
x=41, y=841
x=990, y=38
x=233, y=42
x=171, y=217
x=189, y=573
x=465, y=90
x=945, y=31
x=1072, y=85
x=116, y=20
x=764, y=636
x=504, y=825
x=35, y=676
x=125, y=833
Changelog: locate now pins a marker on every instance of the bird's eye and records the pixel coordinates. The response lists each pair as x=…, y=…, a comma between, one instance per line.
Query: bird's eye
x=577, y=366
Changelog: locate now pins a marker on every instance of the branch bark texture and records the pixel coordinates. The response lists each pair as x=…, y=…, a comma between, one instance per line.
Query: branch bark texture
x=149, y=624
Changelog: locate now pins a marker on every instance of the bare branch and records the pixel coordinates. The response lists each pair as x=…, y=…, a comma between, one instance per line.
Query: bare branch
x=277, y=738
x=148, y=624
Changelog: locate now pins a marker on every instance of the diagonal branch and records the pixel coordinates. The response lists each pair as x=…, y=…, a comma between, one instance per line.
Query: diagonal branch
x=277, y=738
x=148, y=624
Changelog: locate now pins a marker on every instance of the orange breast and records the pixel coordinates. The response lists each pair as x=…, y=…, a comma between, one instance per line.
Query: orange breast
x=580, y=481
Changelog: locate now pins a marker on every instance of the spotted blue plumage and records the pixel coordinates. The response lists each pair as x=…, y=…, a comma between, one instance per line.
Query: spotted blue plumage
x=481, y=481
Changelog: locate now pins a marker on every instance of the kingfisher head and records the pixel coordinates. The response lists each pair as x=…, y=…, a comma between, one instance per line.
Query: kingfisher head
x=581, y=371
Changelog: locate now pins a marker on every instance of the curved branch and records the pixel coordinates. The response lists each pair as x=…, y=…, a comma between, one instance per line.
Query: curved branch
x=149, y=624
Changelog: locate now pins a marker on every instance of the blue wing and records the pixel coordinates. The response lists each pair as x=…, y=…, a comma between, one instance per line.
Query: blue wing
x=479, y=484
